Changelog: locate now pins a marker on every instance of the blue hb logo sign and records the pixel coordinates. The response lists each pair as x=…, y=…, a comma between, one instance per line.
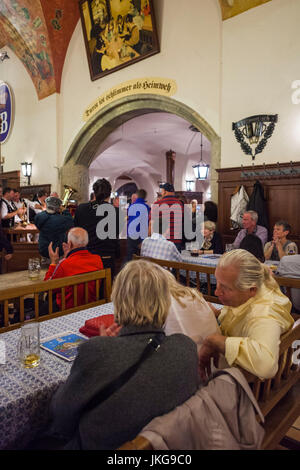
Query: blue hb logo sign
x=5, y=111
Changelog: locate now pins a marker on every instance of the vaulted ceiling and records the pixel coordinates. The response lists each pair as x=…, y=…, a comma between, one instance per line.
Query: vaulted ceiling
x=39, y=32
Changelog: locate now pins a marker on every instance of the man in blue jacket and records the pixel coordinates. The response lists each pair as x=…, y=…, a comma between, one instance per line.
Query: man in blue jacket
x=53, y=226
x=137, y=231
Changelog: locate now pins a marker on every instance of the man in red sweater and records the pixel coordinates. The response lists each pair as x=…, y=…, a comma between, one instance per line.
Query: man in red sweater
x=77, y=260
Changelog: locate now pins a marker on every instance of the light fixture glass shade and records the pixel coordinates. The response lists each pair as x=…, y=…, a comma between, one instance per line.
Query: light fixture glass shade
x=201, y=171
x=26, y=168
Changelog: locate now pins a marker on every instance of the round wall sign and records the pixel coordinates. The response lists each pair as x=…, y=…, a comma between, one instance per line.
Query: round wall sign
x=5, y=111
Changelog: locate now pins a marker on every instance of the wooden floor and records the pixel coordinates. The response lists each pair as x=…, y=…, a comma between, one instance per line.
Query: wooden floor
x=292, y=438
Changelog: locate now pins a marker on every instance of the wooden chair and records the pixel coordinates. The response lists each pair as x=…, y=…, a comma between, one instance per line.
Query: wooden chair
x=18, y=295
x=182, y=272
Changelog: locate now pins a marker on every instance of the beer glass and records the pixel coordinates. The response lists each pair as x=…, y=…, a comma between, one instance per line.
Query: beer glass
x=229, y=247
x=29, y=345
x=34, y=268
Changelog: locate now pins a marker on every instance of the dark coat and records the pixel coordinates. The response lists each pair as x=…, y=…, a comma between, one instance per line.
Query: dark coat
x=258, y=203
x=216, y=244
x=86, y=217
x=164, y=380
x=53, y=228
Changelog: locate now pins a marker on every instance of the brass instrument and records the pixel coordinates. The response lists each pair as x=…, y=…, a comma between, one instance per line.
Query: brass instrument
x=67, y=196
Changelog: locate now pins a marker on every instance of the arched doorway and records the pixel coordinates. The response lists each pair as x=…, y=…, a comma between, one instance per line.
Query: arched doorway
x=84, y=148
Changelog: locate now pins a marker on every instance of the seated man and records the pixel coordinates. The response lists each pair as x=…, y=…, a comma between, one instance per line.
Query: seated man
x=157, y=246
x=280, y=246
x=254, y=316
x=53, y=226
x=250, y=226
x=77, y=260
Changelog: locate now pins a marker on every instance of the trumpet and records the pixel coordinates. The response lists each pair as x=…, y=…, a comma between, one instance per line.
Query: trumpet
x=67, y=195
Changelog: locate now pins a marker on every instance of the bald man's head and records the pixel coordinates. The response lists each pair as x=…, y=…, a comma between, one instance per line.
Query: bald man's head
x=78, y=237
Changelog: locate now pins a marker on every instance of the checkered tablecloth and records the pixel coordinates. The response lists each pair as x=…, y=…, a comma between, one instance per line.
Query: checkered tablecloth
x=202, y=260
x=26, y=393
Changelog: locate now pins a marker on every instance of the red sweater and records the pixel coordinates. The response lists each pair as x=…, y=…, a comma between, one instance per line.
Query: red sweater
x=78, y=261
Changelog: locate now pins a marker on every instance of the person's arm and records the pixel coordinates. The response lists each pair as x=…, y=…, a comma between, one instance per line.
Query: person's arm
x=238, y=239
x=268, y=250
x=212, y=347
x=258, y=351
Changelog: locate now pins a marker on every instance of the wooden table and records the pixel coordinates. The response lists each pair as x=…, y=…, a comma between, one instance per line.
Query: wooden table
x=19, y=279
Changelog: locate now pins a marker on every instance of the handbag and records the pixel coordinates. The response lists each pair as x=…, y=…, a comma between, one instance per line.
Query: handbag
x=91, y=326
x=152, y=346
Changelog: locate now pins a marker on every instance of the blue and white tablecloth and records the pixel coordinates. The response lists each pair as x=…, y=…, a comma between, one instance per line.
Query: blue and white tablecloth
x=202, y=260
x=25, y=393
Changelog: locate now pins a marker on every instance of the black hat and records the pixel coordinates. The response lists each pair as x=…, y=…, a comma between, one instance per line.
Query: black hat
x=167, y=187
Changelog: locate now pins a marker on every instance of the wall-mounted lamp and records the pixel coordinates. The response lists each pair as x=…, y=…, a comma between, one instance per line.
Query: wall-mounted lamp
x=254, y=128
x=27, y=170
x=190, y=185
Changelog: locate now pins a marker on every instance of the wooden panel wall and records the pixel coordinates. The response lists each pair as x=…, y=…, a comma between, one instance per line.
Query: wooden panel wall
x=282, y=193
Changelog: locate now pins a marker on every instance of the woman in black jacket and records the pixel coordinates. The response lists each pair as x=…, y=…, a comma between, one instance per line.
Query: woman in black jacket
x=212, y=239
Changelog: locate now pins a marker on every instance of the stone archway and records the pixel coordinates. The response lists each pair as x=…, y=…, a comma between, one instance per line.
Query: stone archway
x=75, y=171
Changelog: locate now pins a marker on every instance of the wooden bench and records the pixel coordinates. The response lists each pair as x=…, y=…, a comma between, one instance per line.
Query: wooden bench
x=278, y=397
x=18, y=295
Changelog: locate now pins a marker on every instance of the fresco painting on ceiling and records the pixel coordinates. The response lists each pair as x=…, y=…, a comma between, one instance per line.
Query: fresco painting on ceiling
x=117, y=33
x=29, y=41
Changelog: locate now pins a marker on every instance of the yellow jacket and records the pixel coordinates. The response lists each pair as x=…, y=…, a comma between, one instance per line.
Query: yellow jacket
x=253, y=331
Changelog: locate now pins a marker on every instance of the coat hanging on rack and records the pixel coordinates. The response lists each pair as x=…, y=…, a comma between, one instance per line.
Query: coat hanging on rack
x=258, y=203
x=238, y=204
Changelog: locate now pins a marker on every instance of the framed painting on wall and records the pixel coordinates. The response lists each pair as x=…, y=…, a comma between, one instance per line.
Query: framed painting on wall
x=117, y=33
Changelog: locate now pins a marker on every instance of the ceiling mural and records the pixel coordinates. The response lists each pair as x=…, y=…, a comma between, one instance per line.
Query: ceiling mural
x=39, y=32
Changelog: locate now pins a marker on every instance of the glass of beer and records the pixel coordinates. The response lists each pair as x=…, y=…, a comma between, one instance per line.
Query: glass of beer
x=34, y=269
x=29, y=345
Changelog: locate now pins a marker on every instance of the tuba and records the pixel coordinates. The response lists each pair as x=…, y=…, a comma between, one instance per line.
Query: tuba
x=67, y=195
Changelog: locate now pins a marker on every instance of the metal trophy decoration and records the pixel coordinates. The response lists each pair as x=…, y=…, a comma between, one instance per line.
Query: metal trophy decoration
x=257, y=129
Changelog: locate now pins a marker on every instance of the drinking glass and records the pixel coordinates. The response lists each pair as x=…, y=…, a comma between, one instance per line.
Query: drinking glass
x=29, y=345
x=228, y=247
x=34, y=268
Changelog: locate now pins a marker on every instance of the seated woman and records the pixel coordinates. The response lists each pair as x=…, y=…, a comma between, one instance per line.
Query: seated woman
x=212, y=240
x=189, y=313
x=167, y=378
x=254, y=245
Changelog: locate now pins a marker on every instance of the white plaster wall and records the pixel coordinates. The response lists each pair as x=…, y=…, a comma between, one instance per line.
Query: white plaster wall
x=190, y=40
x=33, y=135
x=260, y=61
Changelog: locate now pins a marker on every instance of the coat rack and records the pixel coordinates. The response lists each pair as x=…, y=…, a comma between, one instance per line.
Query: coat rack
x=279, y=172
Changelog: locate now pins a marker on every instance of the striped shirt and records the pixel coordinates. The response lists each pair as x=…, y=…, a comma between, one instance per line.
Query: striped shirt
x=171, y=210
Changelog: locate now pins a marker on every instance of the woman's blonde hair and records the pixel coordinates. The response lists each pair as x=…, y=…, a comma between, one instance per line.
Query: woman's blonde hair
x=141, y=295
x=179, y=291
x=252, y=273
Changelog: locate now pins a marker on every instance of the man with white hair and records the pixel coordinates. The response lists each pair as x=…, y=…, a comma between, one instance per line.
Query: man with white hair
x=77, y=260
x=250, y=226
x=255, y=314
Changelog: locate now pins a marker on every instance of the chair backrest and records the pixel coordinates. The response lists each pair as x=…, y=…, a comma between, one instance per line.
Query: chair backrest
x=182, y=271
x=18, y=295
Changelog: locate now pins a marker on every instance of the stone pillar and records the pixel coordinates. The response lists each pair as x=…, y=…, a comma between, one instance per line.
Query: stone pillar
x=76, y=176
